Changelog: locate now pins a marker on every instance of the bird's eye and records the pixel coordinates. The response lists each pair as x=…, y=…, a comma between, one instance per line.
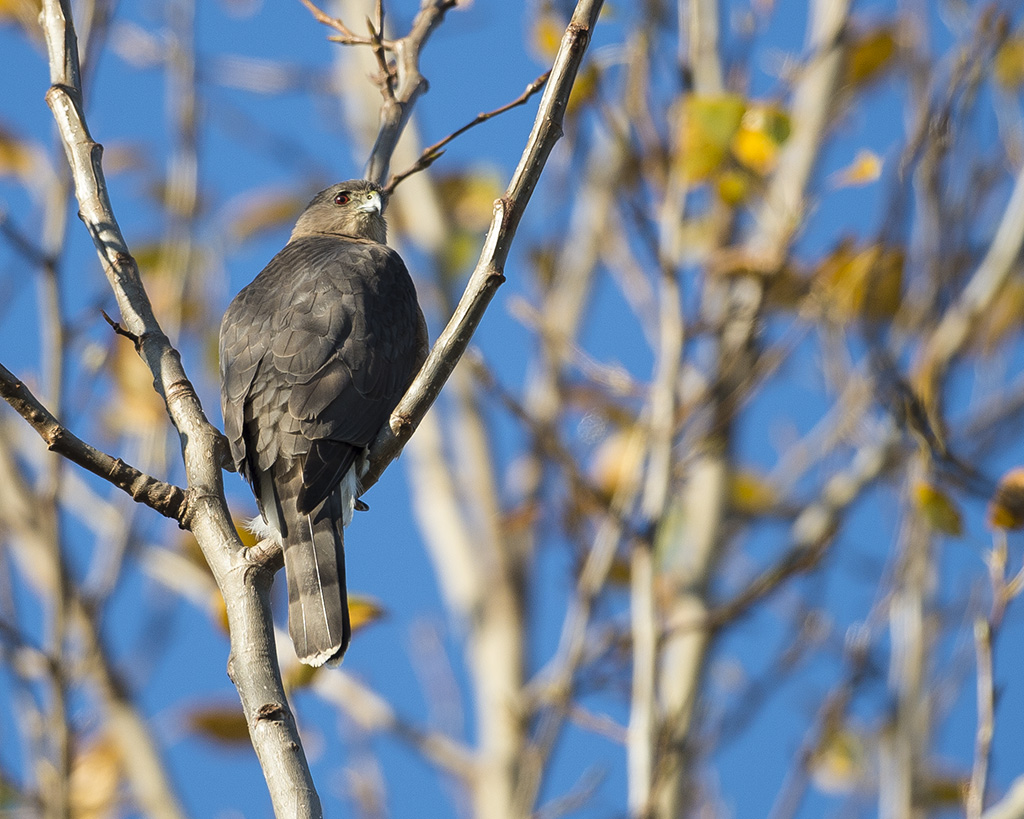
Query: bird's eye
x=341, y=199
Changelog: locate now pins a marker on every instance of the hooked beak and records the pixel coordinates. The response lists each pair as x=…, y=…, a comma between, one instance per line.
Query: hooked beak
x=372, y=203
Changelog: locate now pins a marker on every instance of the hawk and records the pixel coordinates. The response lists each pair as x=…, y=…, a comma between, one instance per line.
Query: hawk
x=314, y=355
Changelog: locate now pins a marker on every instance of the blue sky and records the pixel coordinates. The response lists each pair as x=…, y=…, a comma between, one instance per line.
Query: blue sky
x=476, y=61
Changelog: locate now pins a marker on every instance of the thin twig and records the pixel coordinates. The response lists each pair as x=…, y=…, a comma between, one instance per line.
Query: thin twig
x=488, y=274
x=434, y=152
x=346, y=35
x=373, y=713
x=405, y=85
x=380, y=53
x=34, y=254
x=165, y=498
x=119, y=330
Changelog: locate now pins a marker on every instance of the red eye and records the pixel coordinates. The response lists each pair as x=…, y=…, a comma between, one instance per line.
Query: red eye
x=341, y=199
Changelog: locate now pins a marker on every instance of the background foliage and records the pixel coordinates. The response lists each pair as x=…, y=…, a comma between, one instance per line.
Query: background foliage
x=718, y=518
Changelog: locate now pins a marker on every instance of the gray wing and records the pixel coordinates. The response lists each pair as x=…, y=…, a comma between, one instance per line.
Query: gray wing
x=315, y=353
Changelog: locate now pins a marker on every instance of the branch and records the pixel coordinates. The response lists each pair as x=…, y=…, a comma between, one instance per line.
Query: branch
x=954, y=330
x=986, y=719
x=705, y=497
x=403, y=87
x=488, y=274
x=434, y=152
x=1011, y=806
x=702, y=39
x=813, y=529
x=557, y=679
x=345, y=35
x=374, y=714
x=165, y=498
x=253, y=662
x=24, y=515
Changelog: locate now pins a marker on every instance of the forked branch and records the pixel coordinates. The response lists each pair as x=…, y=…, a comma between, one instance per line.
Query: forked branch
x=429, y=155
x=165, y=498
x=489, y=272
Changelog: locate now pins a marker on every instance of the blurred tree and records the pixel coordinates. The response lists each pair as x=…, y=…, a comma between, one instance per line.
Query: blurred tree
x=716, y=520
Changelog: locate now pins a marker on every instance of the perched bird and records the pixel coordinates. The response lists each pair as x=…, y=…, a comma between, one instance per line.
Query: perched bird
x=314, y=355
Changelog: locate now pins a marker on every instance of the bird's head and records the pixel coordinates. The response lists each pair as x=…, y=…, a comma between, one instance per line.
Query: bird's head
x=354, y=208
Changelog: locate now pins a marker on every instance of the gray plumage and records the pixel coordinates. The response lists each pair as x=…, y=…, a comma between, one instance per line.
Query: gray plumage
x=314, y=355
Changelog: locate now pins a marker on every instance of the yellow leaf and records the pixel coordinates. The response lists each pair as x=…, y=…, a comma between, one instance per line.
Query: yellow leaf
x=1003, y=317
x=584, y=88
x=839, y=761
x=733, y=187
x=260, y=212
x=1008, y=66
x=707, y=125
x=469, y=196
x=763, y=130
x=459, y=251
x=613, y=462
x=751, y=493
x=547, y=35
x=938, y=509
x=620, y=573
x=17, y=157
x=861, y=282
x=363, y=611
x=865, y=169
x=869, y=55
x=298, y=676
x=24, y=13
x=1006, y=509
x=885, y=282
x=95, y=780
x=223, y=723
x=755, y=150
x=943, y=793
x=137, y=408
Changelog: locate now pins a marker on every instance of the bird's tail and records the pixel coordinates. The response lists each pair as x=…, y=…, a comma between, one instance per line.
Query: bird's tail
x=314, y=567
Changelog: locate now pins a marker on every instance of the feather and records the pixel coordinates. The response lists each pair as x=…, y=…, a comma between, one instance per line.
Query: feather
x=315, y=354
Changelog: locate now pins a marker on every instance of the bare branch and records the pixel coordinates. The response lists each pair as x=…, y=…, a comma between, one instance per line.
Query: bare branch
x=346, y=35
x=167, y=499
x=954, y=329
x=408, y=84
x=986, y=719
x=813, y=529
x=369, y=710
x=252, y=665
x=434, y=152
x=387, y=74
x=488, y=274
x=702, y=40
x=1010, y=806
